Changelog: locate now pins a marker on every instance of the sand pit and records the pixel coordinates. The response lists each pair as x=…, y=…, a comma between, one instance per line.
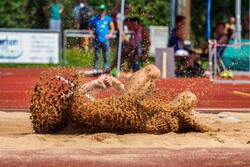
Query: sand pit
x=16, y=133
x=55, y=106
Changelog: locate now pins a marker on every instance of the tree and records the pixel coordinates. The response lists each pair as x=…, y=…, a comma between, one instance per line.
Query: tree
x=13, y=14
x=37, y=17
x=29, y=13
x=153, y=12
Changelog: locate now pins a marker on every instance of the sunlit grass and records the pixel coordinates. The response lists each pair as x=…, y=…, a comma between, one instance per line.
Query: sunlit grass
x=84, y=58
x=75, y=57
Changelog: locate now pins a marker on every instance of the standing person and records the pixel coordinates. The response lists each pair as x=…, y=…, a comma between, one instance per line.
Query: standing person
x=55, y=10
x=85, y=14
x=114, y=13
x=75, y=13
x=117, y=17
x=75, y=16
x=101, y=28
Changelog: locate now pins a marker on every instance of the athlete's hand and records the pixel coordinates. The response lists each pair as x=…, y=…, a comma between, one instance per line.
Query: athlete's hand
x=105, y=81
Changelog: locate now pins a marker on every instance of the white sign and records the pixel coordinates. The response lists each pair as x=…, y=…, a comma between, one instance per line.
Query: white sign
x=26, y=47
x=158, y=37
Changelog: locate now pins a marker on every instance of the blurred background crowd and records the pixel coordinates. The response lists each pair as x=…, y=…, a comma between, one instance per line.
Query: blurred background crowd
x=29, y=14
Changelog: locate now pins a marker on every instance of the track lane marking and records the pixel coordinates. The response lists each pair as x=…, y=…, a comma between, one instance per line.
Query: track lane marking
x=241, y=93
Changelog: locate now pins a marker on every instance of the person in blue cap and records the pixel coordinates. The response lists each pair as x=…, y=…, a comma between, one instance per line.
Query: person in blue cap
x=101, y=28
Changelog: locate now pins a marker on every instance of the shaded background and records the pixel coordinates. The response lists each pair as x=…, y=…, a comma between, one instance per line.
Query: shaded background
x=29, y=14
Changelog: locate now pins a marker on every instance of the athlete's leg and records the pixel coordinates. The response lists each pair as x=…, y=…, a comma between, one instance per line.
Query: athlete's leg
x=181, y=109
x=185, y=101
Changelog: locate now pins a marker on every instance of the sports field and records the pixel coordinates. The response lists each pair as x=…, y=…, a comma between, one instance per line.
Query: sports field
x=225, y=108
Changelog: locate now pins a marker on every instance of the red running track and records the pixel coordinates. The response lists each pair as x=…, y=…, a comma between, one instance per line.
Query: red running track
x=16, y=86
x=121, y=157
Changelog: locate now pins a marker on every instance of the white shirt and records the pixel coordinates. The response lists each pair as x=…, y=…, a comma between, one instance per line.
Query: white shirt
x=118, y=19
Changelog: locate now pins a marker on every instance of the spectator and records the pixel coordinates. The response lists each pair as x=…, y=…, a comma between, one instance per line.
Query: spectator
x=85, y=14
x=136, y=50
x=182, y=52
x=139, y=41
x=221, y=36
x=75, y=13
x=101, y=28
x=119, y=17
x=55, y=10
x=116, y=15
x=230, y=28
x=221, y=39
x=247, y=22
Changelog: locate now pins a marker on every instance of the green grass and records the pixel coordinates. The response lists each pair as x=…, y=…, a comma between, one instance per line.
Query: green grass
x=74, y=58
x=82, y=58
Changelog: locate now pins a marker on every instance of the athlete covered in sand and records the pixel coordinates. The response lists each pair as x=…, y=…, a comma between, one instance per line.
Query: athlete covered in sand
x=135, y=109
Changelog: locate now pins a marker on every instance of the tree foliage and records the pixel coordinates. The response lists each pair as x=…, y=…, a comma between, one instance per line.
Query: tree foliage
x=151, y=12
x=13, y=14
x=29, y=13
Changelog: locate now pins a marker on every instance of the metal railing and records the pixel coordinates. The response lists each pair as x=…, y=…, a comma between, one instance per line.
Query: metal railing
x=215, y=69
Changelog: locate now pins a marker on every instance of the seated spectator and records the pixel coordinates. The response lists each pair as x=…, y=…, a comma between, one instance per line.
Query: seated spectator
x=187, y=58
x=221, y=42
x=137, y=49
x=230, y=28
x=221, y=38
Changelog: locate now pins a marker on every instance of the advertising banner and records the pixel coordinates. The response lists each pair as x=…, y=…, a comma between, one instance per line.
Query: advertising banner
x=29, y=47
